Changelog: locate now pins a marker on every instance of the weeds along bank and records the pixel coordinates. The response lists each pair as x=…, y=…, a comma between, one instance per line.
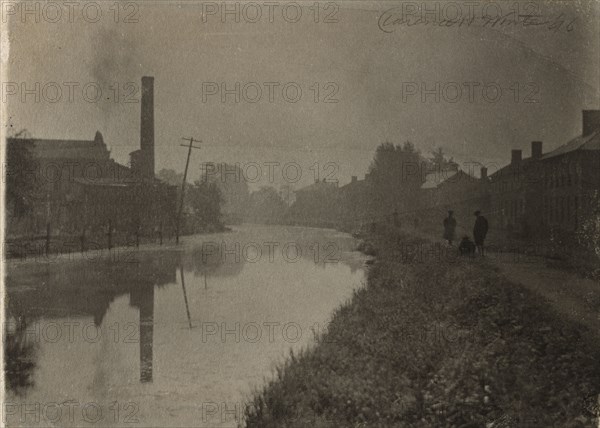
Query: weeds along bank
x=436, y=342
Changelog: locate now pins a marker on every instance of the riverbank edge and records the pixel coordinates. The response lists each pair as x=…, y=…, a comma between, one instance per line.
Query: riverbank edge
x=436, y=342
x=118, y=253
x=25, y=247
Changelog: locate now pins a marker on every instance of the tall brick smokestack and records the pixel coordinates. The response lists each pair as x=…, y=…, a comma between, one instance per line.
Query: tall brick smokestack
x=147, y=127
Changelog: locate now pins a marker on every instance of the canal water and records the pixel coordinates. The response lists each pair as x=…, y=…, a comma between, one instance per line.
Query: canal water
x=167, y=336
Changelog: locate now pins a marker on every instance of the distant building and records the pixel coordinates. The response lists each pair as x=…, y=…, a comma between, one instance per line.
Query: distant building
x=456, y=190
x=452, y=189
x=353, y=203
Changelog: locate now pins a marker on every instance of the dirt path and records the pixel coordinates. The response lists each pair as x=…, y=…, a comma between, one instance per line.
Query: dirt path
x=576, y=298
x=572, y=296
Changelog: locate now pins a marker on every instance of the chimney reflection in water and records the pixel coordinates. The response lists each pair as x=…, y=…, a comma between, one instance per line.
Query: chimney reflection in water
x=143, y=298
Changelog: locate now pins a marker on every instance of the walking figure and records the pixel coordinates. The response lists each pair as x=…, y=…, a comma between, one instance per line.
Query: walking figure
x=480, y=231
x=449, y=227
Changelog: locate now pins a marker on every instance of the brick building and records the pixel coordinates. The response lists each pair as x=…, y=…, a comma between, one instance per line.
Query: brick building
x=552, y=190
x=80, y=188
x=571, y=176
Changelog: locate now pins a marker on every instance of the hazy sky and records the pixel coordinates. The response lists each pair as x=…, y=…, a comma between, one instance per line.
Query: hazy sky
x=370, y=72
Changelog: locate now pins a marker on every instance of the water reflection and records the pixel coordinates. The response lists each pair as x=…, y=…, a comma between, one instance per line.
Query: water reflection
x=19, y=357
x=74, y=290
x=187, y=306
x=143, y=299
x=152, y=314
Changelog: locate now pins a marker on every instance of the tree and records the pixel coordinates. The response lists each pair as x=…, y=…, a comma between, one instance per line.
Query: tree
x=266, y=206
x=396, y=176
x=286, y=191
x=21, y=183
x=170, y=176
x=234, y=190
x=439, y=162
x=204, y=199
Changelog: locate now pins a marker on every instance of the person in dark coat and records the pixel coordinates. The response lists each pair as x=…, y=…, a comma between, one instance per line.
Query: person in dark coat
x=449, y=227
x=480, y=231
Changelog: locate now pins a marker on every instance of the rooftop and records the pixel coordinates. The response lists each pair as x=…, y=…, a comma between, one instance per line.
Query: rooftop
x=437, y=178
x=588, y=142
x=67, y=149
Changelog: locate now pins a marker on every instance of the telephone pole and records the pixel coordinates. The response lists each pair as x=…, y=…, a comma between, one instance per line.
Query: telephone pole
x=187, y=164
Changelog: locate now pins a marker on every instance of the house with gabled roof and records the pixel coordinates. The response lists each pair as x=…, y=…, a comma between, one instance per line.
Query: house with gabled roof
x=552, y=190
x=456, y=190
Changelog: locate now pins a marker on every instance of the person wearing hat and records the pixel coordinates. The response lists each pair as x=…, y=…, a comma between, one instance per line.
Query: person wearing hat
x=449, y=227
x=480, y=231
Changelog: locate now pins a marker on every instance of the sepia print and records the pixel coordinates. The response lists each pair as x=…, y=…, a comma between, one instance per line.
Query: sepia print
x=300, y=213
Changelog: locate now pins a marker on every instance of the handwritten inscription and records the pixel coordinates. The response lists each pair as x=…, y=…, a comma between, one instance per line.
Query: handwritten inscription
x=397, y=17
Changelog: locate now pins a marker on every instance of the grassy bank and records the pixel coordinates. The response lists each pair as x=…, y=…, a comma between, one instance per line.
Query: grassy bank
x=437, y=342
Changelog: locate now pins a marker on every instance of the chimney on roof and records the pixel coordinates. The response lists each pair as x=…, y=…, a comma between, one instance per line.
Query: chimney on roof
x=98, y=138
x=591, y=121
x=516, y=156
x=536, y=149
x=147, y=127
x=354, y=178
x=483, y=173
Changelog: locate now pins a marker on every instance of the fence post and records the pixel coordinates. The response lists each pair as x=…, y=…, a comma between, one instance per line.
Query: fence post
x=47, y=238
x=137, y=236
x=160, y=232
x=82, y=241
x=109, y=235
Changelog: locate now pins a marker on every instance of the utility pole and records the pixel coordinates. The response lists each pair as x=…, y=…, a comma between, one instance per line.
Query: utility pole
x=187, y=164
x=187, y=308
x=47, y=247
